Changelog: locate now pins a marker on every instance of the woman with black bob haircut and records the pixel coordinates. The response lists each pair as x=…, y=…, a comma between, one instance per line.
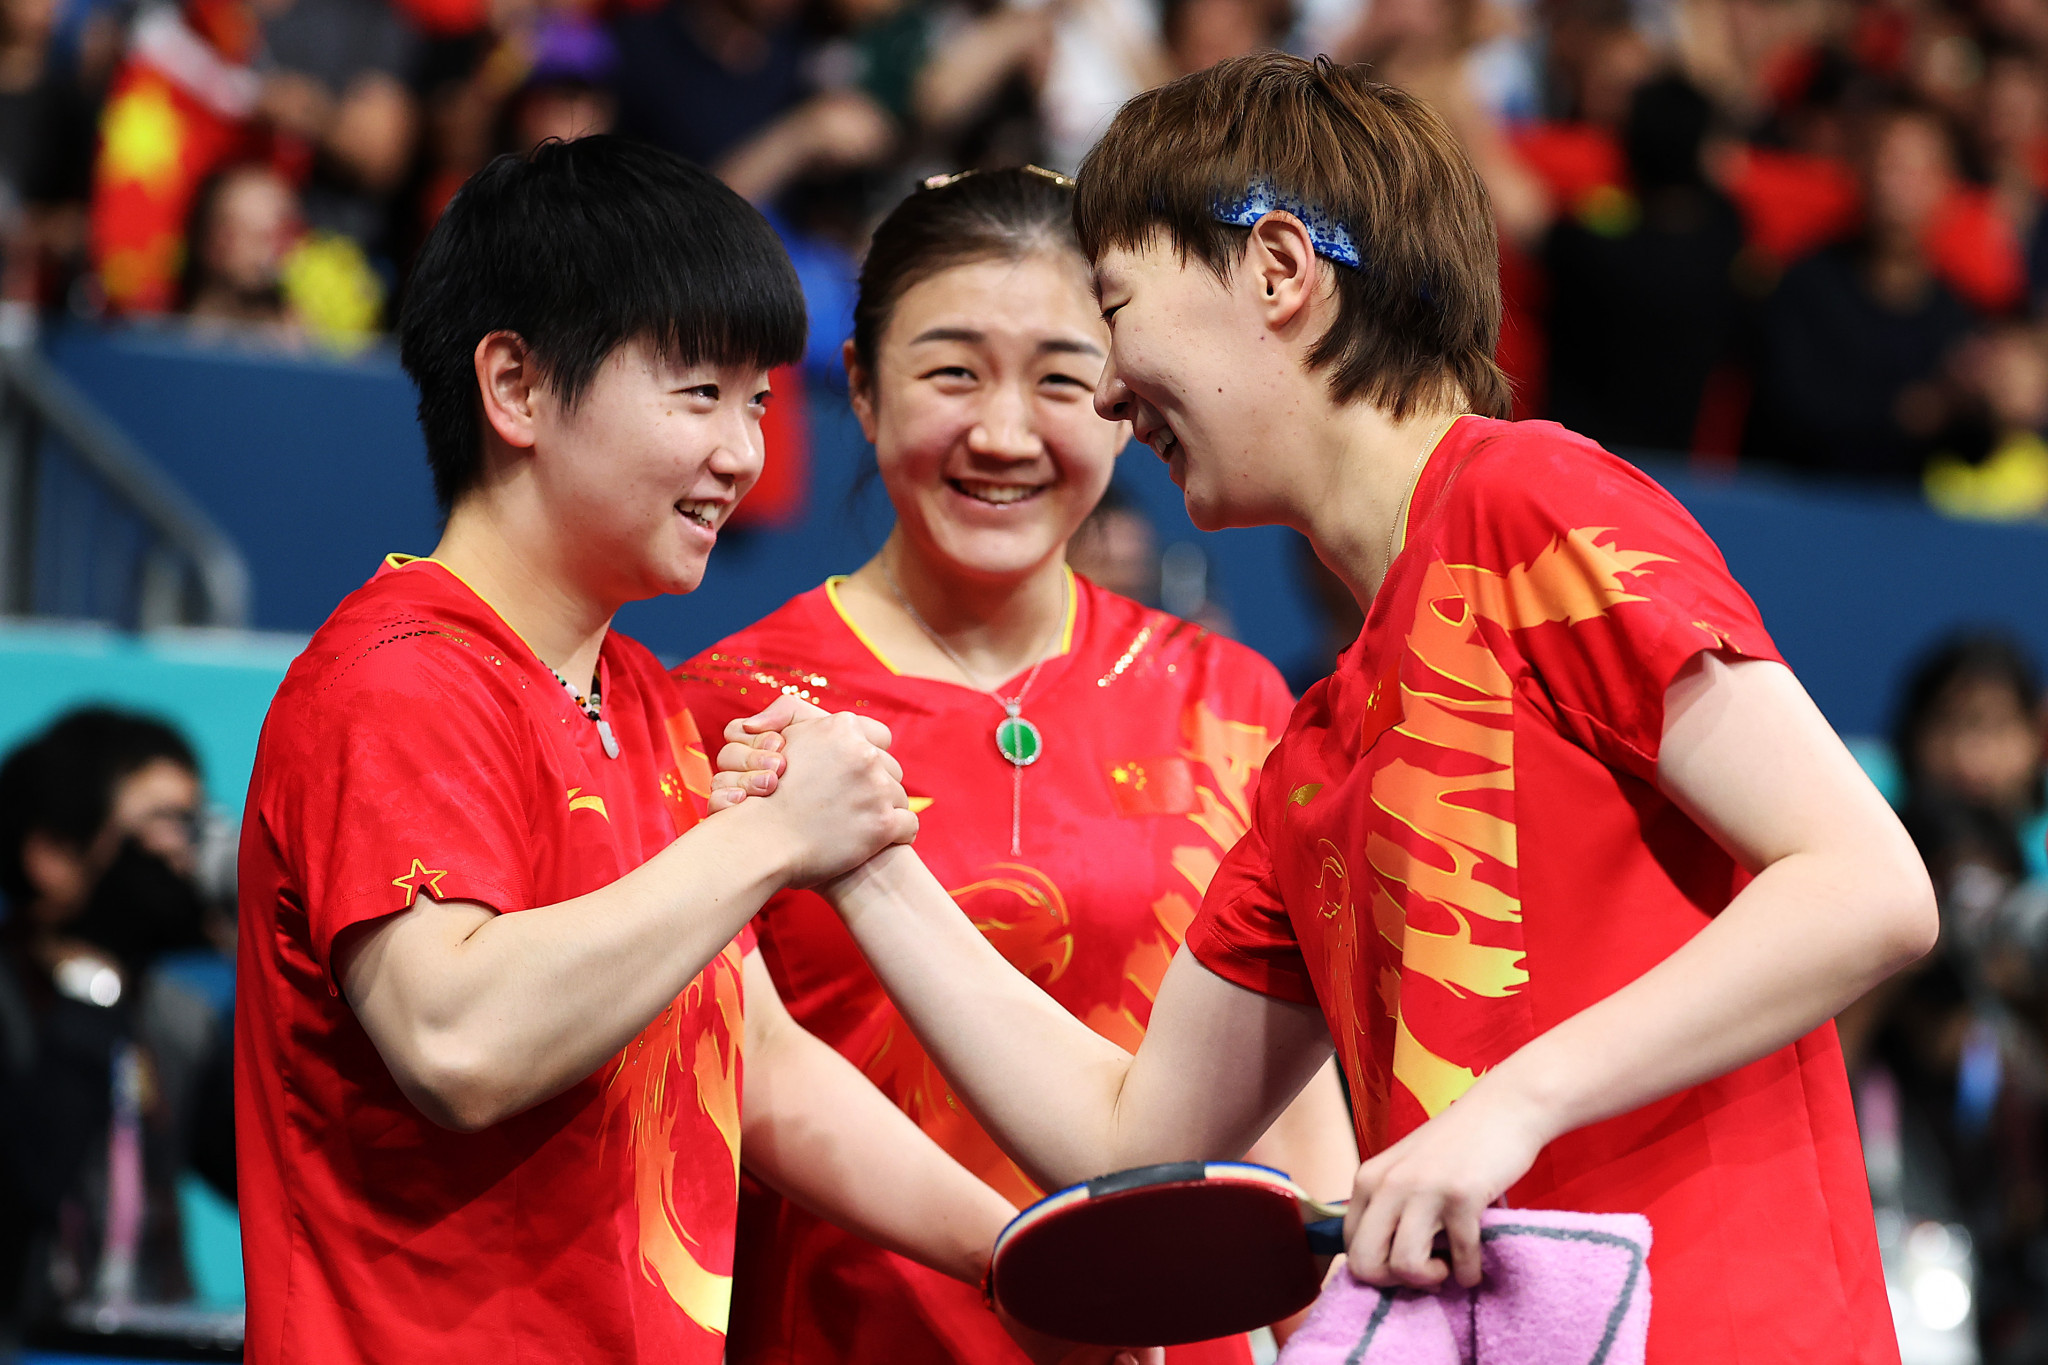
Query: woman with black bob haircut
x=577, y=248
x=1082, y=762
x=489, y=1058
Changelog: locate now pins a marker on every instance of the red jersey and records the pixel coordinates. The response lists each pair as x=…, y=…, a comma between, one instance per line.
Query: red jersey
x=419, y=746
x=1154, y=732
x=1460, y=842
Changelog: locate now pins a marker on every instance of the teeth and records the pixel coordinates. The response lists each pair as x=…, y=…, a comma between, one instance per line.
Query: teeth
x=995, y=492
x=703, y=513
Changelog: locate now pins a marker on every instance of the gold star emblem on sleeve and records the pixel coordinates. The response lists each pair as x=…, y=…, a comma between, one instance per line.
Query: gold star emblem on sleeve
x=420, y=878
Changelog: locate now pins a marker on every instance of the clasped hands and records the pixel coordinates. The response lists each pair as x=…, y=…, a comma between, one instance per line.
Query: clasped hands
x=1435, y=1180
x=833, y=773
x=827, y=775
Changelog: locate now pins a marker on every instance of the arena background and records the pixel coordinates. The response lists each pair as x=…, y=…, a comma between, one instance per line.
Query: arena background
x=1789, y=255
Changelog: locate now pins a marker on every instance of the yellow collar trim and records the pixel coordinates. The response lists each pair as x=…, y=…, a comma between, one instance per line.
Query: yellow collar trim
x=400, y=561
x=832, y=596
x=1066, y=644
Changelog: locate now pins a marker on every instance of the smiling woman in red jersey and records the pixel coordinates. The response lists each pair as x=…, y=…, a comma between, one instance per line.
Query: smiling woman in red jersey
x=1562, y=860
x=1080, y=763
x=494, y=1018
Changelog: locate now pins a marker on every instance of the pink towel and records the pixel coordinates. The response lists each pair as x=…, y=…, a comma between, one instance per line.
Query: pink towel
x=1559, y=1289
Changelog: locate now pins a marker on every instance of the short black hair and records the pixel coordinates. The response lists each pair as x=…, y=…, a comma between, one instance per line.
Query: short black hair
x=61, y=783
x=578, y=247
x=1968, y=655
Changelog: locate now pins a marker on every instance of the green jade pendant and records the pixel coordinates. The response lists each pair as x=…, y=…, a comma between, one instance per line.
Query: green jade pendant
x=1017, y=739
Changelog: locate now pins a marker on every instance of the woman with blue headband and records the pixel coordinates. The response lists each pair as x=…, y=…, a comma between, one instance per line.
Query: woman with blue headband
x=1562, y=862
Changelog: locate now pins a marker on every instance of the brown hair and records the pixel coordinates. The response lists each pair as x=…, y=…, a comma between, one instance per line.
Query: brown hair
x=1419, y=317
x=978, y=216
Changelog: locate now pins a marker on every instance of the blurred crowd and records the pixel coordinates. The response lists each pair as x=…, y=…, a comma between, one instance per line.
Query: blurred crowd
x=1801, y=232
x=1949, y=1060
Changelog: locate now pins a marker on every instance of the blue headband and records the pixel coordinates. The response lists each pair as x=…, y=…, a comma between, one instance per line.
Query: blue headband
x=1330, y=238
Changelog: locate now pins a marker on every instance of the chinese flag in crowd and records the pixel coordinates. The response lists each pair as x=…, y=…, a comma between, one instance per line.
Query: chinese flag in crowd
x=178, y=110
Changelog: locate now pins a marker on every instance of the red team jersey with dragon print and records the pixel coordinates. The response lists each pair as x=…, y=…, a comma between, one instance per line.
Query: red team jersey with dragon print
x=1460, y=842
x=418, y=746
x=1154, y=734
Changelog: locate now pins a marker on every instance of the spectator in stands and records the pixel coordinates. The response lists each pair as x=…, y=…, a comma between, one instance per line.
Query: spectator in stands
x=1103, y=52
x=47, y=112
x=1955, y=1047
x=101, y=1053
x=567, y=91
x=182, y=105
x=1643, y=303
x=976, y=94
x=535, y=73
x=2012, y=135
x=1971, y=731
x=723, y=83
x=336, y=76
x=1855, y=338
x=1201, y=33
x=1598, y=56
x=244, y=225
x=1994, y=460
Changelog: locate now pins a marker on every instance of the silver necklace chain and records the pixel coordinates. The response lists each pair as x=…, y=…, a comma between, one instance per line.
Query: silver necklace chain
x=1013, y=707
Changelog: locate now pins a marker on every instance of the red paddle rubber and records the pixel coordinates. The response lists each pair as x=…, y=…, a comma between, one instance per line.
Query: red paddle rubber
x=1152, y=1266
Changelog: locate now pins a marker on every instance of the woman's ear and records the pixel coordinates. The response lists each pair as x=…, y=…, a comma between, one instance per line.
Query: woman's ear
x=1282, y=264
x=507, y=381
x=860, y=389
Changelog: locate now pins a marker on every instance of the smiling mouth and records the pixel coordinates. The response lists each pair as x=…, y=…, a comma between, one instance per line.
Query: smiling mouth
x=704, y=514
x=1164, y=444
x=997, y=494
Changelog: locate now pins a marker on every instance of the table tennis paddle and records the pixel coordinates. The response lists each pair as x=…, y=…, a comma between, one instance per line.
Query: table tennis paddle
x=1166, y=1254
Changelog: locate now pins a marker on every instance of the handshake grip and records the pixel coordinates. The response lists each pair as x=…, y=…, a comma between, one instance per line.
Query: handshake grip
x=825, y=779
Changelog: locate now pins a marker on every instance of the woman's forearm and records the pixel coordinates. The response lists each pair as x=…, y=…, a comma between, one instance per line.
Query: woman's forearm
x=480, y=1015
x=1217, y=1065
x=1044, y=1084
x=1840, y=901
x=1313, y=1140
x=823, y=1136
x=1809, y=935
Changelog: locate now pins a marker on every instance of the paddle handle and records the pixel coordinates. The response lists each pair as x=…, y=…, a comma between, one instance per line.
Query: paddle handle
x=1326, y=1238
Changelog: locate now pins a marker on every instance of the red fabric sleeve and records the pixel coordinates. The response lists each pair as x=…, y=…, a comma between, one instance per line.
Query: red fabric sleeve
x=407, y=778
x=1242, y=932
x=1605, y=586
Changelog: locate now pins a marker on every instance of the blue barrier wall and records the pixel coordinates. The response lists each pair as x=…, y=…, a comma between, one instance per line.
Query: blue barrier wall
x=315, y=468
x=1855, y=585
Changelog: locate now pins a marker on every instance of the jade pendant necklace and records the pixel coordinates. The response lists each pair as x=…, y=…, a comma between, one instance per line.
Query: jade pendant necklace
x=1017, y=739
